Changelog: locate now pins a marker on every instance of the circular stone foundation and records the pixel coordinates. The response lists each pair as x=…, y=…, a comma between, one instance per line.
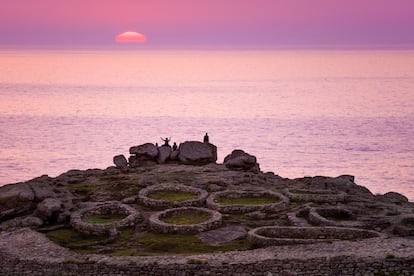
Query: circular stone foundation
x=129, y=218
x=322, y=196
x=334, y=216
x=213, y=201
x=405, y=227
x=274, y=235
x=157, y=223
x=144, y=196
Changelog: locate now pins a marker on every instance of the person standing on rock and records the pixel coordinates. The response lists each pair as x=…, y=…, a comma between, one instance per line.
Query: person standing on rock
x=166, y=141
x=174, y=146
x=206, y=139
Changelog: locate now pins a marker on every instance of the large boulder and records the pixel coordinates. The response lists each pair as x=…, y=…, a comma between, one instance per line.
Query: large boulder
x=240, y=160
x=174, y=155
x=49, y=209
x=149, y=150
x=143, y=155
x=120, y=161
x=163, y=154
x=197, y=153
x=15, y=199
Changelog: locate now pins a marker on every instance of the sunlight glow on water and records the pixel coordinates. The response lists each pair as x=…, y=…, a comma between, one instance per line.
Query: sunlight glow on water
x=301, y=113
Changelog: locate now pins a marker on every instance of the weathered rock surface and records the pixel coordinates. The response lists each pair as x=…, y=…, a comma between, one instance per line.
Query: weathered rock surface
x=197, y=153
x=163, y=154
x=49, y=209
x=174, y=155
x=148, y=149
x=223, y=235
x=15, y=199
x=240, y=160
x=120, y=161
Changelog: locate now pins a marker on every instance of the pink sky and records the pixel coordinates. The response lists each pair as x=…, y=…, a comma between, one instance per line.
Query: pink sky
x=208, y=22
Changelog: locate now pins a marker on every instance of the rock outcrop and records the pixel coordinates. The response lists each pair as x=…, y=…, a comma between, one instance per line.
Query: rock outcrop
x=240, y=160
x=49, y=209
x=15, y=199
x=120, y=161
x=163, y=154
x=142, y=155
x=197, y=153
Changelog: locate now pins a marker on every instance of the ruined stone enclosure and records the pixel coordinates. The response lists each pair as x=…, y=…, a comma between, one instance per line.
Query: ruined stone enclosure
x=149, y=219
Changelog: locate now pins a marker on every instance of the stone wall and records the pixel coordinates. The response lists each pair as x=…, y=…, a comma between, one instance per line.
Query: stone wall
x=144, y=198
x=282, y=235
x=156, y=223
x=329, y=196
x=241, y=208
x=316, y=266
x=109, y=207
x=33, y=254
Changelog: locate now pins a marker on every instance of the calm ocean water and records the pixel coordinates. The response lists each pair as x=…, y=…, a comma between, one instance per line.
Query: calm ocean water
x=300, y=112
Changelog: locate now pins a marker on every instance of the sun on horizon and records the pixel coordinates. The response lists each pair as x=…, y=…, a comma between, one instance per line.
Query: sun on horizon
x=130, y=37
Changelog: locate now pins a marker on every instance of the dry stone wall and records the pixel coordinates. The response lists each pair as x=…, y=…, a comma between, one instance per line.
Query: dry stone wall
x=144, y=198
x=156, y=223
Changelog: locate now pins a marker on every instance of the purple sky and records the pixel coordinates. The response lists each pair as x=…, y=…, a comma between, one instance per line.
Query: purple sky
x=208, y=22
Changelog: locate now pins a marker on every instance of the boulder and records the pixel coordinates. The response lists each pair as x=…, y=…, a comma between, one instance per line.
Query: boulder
x=120, y=161
x=149, y=150
x=138, y=161
x=396, y=197
x=49, y=209
x=197, y=153
x=240, y=160
x=174, y=155
x=15, y=199
x=163, y=154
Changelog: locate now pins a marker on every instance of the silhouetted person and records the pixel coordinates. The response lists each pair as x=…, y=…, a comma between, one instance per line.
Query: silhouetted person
x=174, y=146
x=166, y=141
x=206, y=138
x=156, y=144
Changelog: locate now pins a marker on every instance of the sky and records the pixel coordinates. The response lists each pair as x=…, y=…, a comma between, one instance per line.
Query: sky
x=208, y=22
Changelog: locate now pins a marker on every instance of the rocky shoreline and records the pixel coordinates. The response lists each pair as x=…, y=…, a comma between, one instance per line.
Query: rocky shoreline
x=138, y=217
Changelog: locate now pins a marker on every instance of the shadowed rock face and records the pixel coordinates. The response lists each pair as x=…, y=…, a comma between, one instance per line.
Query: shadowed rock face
x=240, y=160
x=197, y=153
x=15, y=199
x=149, y=150
x=120, y=161
x=163, y=154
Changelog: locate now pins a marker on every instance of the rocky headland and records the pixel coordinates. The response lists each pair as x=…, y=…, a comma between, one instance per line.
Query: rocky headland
x=166, y=211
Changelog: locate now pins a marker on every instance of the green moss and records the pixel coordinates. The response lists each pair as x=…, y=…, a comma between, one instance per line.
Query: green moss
x=155, y=244
x=104, y=218
x=130, y=243
x=247, y=200
x=187, y=218
x=173, y=195
x=69, y=238
x=82, y=187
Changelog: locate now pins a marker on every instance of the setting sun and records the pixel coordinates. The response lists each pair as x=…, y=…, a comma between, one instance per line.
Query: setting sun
x=131, y=37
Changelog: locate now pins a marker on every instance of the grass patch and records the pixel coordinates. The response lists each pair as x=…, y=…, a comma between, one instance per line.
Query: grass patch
x=67, y=237
x=187, y=218
x=103, y=218
x=247, y=200
x=172, y=195
x=149, y=243
x=82, y=187
x=409, y=224
x=130, y=243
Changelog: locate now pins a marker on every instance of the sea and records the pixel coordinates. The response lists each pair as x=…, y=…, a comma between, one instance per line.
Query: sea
x=300, y=112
